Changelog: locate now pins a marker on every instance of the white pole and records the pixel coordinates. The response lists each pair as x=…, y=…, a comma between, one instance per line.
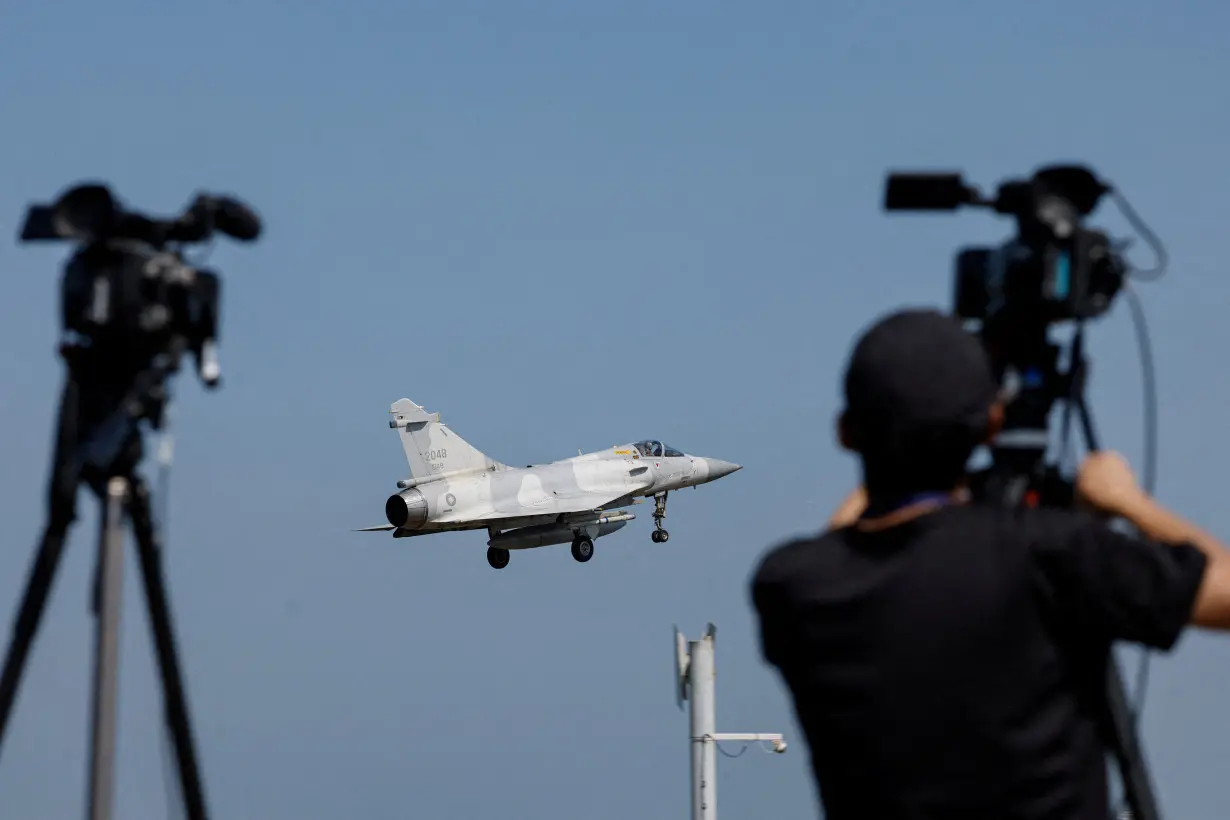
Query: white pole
x=694, y=682
x=704, y=725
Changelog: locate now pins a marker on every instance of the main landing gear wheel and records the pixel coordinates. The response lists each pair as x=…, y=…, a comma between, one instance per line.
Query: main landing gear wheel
x=659, y=535
x=497, y=558
x=582, y=549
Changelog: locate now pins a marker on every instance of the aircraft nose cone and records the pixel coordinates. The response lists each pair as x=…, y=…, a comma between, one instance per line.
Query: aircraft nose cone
x=719, y=468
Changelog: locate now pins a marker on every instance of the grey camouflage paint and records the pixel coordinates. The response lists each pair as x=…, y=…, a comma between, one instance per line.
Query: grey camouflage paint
x=453, y=486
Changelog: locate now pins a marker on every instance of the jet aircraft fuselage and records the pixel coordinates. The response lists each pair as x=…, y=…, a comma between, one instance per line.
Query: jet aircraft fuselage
x=453, y=486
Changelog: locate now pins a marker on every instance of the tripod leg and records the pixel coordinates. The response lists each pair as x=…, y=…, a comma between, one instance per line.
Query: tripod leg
x=106, y=659
x=1087, y=428
x=1137, y=787
x=28, y=616
x=62, y=504
x=150, y=554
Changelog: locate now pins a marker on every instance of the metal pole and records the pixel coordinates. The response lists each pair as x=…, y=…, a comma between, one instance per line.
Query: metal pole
x=106, y=658
x=694, y=682
x=704, y=727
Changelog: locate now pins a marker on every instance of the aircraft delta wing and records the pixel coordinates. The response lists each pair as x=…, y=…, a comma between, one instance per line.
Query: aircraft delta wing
x=453, y=486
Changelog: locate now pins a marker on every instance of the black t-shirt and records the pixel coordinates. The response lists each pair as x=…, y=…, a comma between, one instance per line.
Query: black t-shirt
x=954, y=666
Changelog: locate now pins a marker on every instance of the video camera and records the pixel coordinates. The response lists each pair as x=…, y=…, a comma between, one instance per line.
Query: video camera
x=127, y=291
x=1054, y=270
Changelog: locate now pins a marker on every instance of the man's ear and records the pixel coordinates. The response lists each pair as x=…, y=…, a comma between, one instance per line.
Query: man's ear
x=845, y=431
x=995, y=421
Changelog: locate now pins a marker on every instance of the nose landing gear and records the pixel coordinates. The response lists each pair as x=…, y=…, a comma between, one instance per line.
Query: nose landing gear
x=659, y=535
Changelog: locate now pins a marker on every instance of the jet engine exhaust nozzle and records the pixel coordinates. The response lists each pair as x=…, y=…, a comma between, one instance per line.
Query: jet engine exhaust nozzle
x=407, y=510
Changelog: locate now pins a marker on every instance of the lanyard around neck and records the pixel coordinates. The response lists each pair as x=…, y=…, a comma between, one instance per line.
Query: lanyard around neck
x=877, y=509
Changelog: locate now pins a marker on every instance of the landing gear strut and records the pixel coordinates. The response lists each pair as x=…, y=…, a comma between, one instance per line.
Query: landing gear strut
x=582, y=549
x=660, y=535
x=497, y=558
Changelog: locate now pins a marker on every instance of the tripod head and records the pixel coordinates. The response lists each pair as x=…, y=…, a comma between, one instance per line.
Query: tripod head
x=1055, y=269
x=131, y=304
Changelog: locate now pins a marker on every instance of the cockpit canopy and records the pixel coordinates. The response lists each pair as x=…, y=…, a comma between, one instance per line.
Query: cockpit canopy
x=656, y=449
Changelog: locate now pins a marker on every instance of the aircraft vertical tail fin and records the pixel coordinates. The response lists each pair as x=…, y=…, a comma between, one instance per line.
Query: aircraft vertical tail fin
x=431, y=447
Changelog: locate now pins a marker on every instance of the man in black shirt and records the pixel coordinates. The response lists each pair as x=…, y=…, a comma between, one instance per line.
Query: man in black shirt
x=947, y=660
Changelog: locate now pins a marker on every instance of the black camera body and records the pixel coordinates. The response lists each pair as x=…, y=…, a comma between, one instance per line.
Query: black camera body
x=1055, y=269
x=128, y=292
x=121, y=294
x=1074, y=280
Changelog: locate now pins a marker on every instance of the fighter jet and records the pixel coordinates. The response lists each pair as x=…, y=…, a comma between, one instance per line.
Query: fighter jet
x=452, y=486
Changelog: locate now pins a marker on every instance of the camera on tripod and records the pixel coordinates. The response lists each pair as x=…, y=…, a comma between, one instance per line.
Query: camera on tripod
x=127, y=292
x=1054, y=270
x=134, y=305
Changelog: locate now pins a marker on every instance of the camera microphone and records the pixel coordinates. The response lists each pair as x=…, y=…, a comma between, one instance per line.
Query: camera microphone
x=235, y=219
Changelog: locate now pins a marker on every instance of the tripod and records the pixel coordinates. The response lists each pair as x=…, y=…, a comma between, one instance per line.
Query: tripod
x=108, y=391
x=1019, y=476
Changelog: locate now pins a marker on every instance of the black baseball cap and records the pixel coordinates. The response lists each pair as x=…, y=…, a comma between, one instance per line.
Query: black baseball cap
x=916, y=370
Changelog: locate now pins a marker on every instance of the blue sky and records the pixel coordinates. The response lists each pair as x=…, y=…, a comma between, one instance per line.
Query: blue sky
x=562, y=225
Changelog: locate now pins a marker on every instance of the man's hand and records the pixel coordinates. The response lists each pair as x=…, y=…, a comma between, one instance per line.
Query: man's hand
x=1107, y=485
